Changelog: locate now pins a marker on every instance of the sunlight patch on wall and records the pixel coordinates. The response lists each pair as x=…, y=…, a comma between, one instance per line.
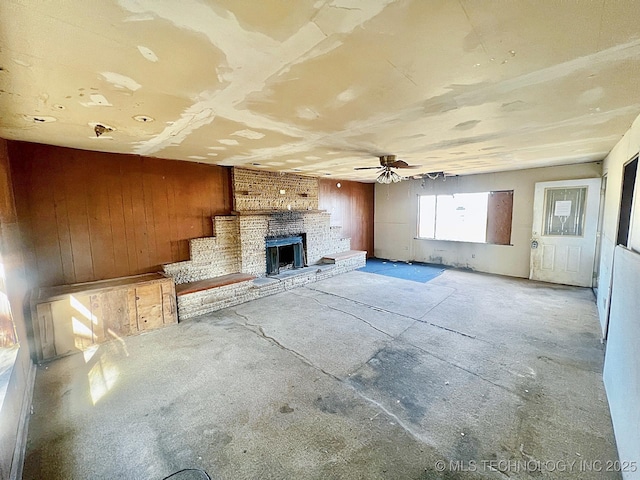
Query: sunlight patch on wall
x=80, y=308
x=81, y=333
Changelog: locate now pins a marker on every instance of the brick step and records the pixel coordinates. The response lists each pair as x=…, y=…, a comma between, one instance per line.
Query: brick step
x=211, y=283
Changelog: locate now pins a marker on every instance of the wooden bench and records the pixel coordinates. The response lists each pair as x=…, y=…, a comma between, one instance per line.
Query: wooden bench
x=205, y=296
x=342, y=256
x=210, y=283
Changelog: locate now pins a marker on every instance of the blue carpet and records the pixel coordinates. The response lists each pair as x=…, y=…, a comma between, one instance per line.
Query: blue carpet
x=415, y=271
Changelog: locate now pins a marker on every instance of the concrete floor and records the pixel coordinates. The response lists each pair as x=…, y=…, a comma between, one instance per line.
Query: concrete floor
x=356, y=377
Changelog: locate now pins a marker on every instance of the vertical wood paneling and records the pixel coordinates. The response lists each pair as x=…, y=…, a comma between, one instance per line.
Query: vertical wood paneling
x=100, y=222
x=127, y=214
x=47, y=246
x=75, y=188
x=161, y=210
x=351, y=207
x=116, y=216
x=7, y=208
x=136, y=198
x=184, y=215
x=174, y=229
x=91, y=216
x=149, y=214
x=62, y=224
x=23, y=209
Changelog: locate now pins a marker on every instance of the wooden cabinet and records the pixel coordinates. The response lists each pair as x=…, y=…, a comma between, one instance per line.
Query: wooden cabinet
x=72, y=318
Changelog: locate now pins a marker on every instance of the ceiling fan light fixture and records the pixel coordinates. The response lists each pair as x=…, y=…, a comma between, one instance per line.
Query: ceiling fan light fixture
x=388, y=176
x=384, y=178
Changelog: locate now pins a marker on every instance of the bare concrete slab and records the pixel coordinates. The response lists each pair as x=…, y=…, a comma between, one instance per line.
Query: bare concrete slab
x=356, y=377
x=422, y=391
x=333, y=341
x=388, y=322
x=411, y=299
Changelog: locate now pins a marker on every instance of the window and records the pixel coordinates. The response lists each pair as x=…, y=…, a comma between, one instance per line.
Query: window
x=467, y=217
x=564, y=211
x=626, y=202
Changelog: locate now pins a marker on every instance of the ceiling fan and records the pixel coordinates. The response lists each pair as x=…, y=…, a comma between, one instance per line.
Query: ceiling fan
x=387, y=163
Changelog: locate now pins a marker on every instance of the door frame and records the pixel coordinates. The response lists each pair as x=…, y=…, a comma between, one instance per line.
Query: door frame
x=606, y=298
x=539, y=208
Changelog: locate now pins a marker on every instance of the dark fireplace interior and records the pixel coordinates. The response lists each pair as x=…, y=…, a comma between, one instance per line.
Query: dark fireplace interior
x=284, y=253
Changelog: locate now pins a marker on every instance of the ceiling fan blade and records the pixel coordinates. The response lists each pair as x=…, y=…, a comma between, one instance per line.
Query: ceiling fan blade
x=402, y=164
x=398, y=164
x=365, y=168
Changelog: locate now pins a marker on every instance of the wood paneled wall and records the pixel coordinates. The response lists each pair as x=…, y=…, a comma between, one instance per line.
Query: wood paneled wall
x=351, y=206
x=89, y=215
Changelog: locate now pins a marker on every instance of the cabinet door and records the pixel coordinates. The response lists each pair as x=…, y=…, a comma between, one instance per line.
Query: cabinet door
x=77, y=323
x=169, y=303
x=45, y=329
x=98, y=320
x=116, y=316
x=149, y=306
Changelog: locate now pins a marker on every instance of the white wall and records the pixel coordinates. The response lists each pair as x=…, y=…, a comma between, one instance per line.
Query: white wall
x=396, y=212
x=613, y=168
x=622, y=362
x=618, y=302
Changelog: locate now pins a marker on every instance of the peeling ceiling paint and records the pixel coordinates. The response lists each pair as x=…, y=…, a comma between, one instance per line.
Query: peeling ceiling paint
x=121, y=81
x=323, y=86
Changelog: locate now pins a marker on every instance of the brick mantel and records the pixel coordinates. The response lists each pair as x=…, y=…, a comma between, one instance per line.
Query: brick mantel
x=274, y=212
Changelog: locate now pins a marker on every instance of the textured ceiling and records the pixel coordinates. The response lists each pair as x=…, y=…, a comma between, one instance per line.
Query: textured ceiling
x=319, y=86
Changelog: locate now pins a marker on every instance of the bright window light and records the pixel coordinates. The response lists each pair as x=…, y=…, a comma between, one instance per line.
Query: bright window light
x=461, y=217
x=427, y=223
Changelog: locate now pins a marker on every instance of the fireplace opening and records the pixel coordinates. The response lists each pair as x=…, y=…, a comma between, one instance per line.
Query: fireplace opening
x=284, y=253
x=286, y=257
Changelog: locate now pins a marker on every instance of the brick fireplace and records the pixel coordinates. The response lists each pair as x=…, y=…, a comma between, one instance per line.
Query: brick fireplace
x=314, y=226
x=276, y=226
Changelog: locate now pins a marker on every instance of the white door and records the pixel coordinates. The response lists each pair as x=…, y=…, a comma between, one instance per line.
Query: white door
x=565, y=221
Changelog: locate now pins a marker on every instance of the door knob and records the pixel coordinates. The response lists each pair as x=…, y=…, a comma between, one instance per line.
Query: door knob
x=534, y=243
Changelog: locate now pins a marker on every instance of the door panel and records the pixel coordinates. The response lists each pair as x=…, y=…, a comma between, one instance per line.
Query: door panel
x=565, y=218
x=573, y=259
x=149, y=306
x=548, y=257
x=168, y=304
x=116, y=315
